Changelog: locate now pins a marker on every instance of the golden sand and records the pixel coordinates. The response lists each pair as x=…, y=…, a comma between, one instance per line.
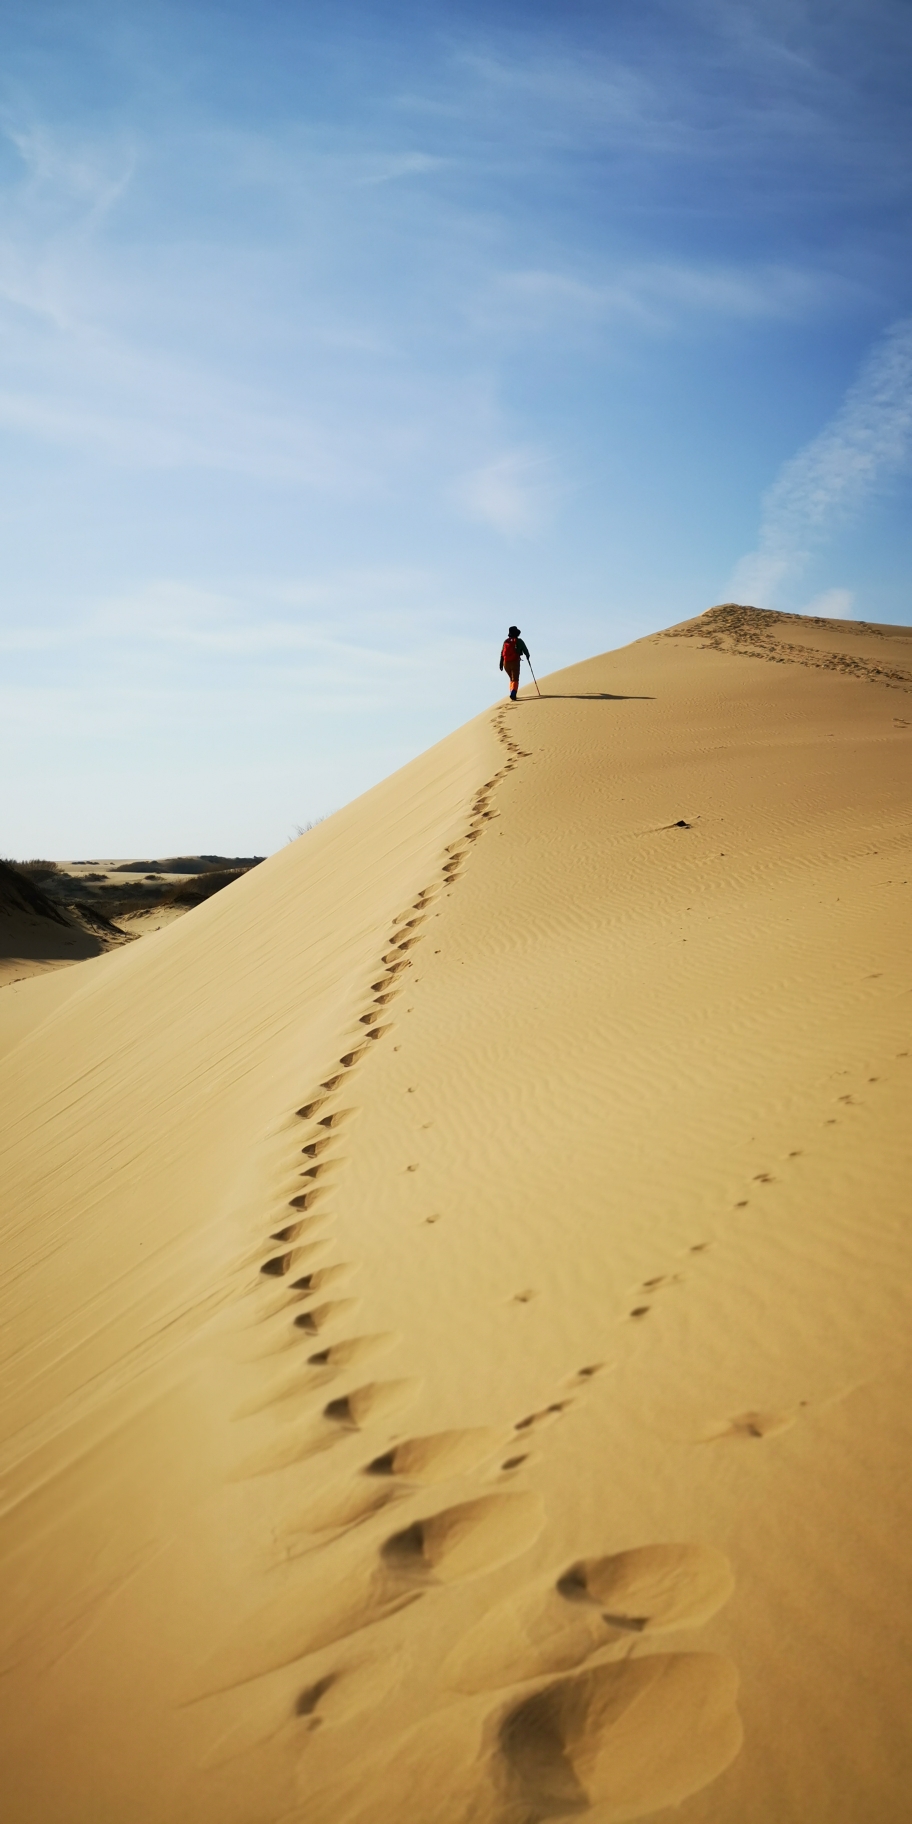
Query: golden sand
x=456, y=1284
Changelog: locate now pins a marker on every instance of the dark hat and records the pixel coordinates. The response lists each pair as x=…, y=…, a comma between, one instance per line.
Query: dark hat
x=513, y=633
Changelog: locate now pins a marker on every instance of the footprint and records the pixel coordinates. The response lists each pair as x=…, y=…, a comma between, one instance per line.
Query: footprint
x=459, y=1542
x=315, y=1147
x=326, y=1169
x=322, y=1316
x=342, y=1694
x=755, y=1425
x=371, y=1401
x=293, y=1230
x=308, y=1700
x=595, y=1604
x=466, y=1540
x=353, y=1349
x=437, y=1457
x=310, y=1108
x=652, y=1586
x=337, y=1118
x=309, y=1283
x=629, y=1739
x=305, y=1200
x=279, y=1264
x=545, y=1416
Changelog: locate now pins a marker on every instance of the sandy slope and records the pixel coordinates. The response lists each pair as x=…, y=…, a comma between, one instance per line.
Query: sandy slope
x=567, y=1430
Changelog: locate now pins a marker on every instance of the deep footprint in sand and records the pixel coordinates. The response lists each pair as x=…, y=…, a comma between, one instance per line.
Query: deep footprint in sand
x=436, y=1457
x=464, y=1541
x=315, y=1147
x=352, y=1349
x=627, y=1739
x=595, y=1604
x=356, y=1408
x=278, y=1265
x=337, y=1118
x=321, y=1317
x=307, y=1285
x=446, y=1547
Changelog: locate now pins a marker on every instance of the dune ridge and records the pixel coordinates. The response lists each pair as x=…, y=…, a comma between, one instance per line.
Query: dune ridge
x=456, y=1285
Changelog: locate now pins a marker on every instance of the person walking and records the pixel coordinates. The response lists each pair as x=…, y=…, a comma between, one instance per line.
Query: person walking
x=512, y=652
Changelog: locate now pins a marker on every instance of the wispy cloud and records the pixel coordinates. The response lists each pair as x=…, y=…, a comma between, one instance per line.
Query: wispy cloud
x=830, y=481
x=514, y=493
x=657, y=295
x=92, y=175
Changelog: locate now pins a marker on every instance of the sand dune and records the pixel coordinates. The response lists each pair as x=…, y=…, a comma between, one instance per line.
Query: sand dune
x=36, y=936
x=456, y=1284
x=56, y=913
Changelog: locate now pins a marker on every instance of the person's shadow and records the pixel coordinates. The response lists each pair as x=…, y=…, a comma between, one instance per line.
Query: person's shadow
x=585, y=696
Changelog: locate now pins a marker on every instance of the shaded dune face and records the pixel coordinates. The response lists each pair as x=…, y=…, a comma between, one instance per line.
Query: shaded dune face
x=455, y=1284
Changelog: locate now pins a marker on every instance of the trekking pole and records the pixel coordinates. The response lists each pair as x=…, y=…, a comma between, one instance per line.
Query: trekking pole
x=534, y=678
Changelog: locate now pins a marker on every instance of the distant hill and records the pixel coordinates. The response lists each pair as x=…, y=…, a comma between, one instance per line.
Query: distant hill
x=53, y=912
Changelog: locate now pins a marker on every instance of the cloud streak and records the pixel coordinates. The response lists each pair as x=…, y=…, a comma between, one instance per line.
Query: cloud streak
x=829, y=482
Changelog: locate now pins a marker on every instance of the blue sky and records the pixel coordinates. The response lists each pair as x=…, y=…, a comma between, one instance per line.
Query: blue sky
x=335, y=337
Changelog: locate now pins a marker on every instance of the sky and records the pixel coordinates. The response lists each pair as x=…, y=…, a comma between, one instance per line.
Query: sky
x=335, y=337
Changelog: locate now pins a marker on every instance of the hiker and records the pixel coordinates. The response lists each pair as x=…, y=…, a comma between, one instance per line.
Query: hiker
x=512, y=652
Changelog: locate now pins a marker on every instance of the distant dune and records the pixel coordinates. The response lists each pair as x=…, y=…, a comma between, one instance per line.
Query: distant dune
x=457, y=1284
x=54, y=913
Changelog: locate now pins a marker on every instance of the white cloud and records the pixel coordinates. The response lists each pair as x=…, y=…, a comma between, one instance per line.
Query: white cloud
x=837, y=473
x=371, y=616
x=513, y=494
x=656, y=296
x=832, y=605
x=91, y=176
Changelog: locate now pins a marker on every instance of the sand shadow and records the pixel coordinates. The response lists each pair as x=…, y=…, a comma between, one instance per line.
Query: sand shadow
x=585, y=696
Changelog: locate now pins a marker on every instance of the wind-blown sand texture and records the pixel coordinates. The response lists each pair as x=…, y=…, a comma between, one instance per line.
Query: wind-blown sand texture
x=456, y=1285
